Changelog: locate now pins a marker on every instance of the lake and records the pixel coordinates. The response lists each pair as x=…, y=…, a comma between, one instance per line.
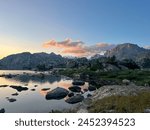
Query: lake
x=33, y=100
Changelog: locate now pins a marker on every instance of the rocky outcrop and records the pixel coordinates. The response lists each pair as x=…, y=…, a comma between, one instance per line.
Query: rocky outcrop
x=110, y=90
x=122, y=90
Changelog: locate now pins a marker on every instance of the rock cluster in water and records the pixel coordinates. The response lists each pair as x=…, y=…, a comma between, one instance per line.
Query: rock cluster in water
x=76, y=88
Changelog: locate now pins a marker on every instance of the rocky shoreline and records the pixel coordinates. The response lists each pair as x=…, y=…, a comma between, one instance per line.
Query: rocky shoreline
x=113, y=90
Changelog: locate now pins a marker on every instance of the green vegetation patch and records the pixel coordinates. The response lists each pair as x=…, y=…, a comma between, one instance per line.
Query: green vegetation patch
x=122, y=104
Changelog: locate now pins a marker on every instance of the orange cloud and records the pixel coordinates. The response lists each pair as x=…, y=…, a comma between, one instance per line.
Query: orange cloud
x=77, y=48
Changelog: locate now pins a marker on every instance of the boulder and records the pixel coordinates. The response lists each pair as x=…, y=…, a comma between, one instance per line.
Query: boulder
x=11, y=99
x=147, y=111
x=110, y=67
x=70, y=94
x=91, y=88
x=35, y=85
x=19, y=88
x=2, y=110
x=75, y=99
x=15, y=94
x=126, y=81
x=57, y=93
x=89, y=95
x=75, y=88
x=78, y=82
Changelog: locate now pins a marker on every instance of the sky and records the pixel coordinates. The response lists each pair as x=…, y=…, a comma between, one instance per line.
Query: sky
x=72, y=27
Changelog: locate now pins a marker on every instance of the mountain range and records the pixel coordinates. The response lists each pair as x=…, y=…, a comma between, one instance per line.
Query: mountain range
x=27, y=60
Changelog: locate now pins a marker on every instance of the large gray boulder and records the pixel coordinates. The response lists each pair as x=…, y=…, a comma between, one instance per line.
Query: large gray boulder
x=75, y=99
x=57, y=93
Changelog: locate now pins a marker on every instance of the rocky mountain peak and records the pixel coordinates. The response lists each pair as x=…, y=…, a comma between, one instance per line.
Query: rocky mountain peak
x=127, y=51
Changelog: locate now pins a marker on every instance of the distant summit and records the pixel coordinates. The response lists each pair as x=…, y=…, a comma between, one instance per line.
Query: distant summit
x=97, y=56
x=128, y=51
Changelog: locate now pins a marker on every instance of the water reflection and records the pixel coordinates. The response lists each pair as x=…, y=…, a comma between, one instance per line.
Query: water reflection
x=36, y=78
x=33, y=98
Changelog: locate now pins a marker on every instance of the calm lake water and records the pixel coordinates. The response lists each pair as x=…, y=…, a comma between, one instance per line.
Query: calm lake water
x=30, y=101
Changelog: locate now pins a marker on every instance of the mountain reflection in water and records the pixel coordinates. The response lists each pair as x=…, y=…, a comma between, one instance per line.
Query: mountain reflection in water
x=33, y=101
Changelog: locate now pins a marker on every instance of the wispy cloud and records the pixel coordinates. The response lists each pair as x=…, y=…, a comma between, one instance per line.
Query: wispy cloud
x=77, y=48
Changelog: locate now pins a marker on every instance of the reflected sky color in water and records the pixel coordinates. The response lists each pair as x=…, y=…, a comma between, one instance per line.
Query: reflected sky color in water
x=33, y=101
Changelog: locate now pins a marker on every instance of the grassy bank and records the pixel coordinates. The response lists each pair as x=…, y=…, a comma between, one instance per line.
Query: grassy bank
x=139, y=77
x=122, y=104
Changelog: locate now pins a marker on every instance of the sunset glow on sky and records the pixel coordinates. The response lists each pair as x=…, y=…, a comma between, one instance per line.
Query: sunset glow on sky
x=72, y=27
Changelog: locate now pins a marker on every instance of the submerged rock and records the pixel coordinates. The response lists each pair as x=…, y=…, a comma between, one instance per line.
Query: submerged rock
x=19, y=88
x=33, y=89
x=57, y=93
x=11, y=99
x=78, y=82
x=8, y=76
x=75, y=88
x=45, y=89
x=15, y=94
x=75, y=99
x=3, y=86
x=2, y=110
x=35, y=85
